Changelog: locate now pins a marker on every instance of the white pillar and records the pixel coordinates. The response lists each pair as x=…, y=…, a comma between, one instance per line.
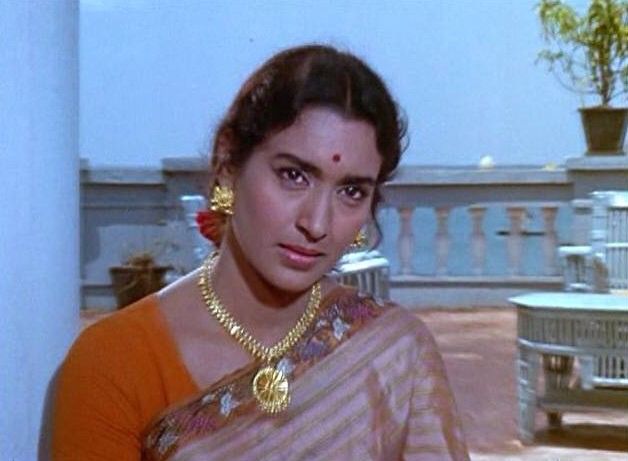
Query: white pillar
x=514, y=244
x=405, y=241
x=478, y=239
x=442, y=239
x=550, y=239
x=39, y=211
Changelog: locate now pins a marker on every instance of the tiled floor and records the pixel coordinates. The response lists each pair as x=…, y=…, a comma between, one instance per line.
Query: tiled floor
x=479, y=350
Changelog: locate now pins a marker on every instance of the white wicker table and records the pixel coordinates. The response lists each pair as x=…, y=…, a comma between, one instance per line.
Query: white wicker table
x=556, y=328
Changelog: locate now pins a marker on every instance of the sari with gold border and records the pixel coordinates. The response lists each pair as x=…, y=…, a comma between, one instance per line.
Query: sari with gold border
x=367, y=382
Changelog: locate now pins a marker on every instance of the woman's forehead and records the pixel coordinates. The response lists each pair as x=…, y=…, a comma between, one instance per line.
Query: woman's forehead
x=328, y=139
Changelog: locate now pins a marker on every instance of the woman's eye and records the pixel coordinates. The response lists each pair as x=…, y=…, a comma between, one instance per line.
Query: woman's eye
x=292, y=175
x=355, y=193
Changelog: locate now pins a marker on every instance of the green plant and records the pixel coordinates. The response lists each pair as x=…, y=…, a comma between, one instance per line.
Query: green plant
x=148, y=252
x=137, y=277
x=589, y=48
x=143, y=259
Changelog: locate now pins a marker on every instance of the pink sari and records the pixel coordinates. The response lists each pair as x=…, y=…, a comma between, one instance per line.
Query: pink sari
x=367, y=383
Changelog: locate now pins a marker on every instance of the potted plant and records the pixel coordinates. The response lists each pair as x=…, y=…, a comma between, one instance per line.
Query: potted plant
x=137, y=277
x=590, y=50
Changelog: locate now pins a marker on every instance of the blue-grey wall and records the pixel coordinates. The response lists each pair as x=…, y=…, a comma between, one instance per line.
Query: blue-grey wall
x=156, y=75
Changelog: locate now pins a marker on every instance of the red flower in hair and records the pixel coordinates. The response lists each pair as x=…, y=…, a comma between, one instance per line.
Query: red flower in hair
x=211, y=225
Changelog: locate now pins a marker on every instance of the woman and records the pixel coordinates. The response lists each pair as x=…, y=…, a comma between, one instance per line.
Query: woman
x=258, y=355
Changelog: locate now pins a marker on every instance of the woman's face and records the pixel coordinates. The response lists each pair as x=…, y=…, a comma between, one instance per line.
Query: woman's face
x=303, y=195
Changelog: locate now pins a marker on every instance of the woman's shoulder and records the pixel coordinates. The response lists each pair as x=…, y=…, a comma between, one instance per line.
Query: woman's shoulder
x=138, y=316
x=111, y=384
x=413, y=338
x=389, y=314
x=408, y=323
x=117, y=338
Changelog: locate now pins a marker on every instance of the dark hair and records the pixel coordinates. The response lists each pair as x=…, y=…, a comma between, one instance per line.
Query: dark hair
x=273, y=97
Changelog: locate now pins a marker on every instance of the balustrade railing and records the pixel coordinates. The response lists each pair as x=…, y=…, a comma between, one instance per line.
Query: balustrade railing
x=467, y=251
x=477, y=237
x=482, y=235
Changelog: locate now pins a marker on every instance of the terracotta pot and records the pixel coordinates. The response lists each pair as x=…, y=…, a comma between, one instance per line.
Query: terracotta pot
x=131, y=283
x=604, y=129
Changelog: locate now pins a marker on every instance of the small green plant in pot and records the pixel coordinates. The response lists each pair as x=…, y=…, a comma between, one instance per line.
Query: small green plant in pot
x=588, y=54
x=137, y=277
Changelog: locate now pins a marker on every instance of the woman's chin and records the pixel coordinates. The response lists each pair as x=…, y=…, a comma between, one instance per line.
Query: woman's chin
x=294, y=284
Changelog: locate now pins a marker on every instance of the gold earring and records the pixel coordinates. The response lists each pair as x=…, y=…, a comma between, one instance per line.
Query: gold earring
x=360, y=241
x=222, y=200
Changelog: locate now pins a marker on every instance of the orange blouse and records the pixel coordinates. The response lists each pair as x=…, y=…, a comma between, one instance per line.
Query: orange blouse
x=119, y=374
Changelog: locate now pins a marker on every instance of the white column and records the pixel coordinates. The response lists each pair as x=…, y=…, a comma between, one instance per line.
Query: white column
x=550, y=239
x=405, y=241
x=442, y=239
x=39, y=212
x=516, y=215
x=478, y=239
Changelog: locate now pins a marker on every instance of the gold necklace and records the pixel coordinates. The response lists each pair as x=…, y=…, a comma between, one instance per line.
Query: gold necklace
x=270, y=386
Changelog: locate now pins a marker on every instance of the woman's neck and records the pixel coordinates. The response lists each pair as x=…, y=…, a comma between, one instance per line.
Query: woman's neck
x=252, y=301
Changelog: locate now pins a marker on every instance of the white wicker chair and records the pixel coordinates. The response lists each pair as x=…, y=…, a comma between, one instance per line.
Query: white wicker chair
x=602, y=267
x=367, y=270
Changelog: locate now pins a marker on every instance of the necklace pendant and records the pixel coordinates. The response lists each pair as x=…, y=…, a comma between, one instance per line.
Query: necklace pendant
x=271, y=390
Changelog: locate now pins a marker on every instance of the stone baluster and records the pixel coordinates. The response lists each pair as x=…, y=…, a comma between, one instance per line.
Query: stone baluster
x=478, y=239
x=550, y=239
x=442, y=239
x=514, y=245
x=405, y=241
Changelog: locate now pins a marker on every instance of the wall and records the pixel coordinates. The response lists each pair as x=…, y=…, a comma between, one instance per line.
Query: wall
x=39, y=213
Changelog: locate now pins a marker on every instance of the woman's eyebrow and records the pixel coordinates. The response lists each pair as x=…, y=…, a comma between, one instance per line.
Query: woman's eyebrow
x=318, y=173
x=364, y=180
x=304, y=165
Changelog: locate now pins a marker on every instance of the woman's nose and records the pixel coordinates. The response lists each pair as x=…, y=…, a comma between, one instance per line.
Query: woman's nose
x=315, y=217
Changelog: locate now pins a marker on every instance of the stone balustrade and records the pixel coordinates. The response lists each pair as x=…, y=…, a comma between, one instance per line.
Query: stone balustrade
x=455, y=236
x=543, y=272
x=516, y=213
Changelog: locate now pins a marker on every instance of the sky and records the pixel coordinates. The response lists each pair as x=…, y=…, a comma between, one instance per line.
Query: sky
x=157, y=76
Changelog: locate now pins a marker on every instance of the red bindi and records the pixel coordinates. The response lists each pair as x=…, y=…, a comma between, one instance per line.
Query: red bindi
x=336, y=158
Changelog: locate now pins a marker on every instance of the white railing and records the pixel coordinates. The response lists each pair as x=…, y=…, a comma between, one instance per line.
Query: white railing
x=454, y=236
x=455, y=233
x=477, y=251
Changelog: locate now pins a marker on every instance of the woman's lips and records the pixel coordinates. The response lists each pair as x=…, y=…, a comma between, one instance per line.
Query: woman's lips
x=299, y=257
x=301, y=250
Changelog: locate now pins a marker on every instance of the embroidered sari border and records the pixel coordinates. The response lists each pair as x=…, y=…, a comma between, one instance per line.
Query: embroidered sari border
x=344, y=316
x=230, y=447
